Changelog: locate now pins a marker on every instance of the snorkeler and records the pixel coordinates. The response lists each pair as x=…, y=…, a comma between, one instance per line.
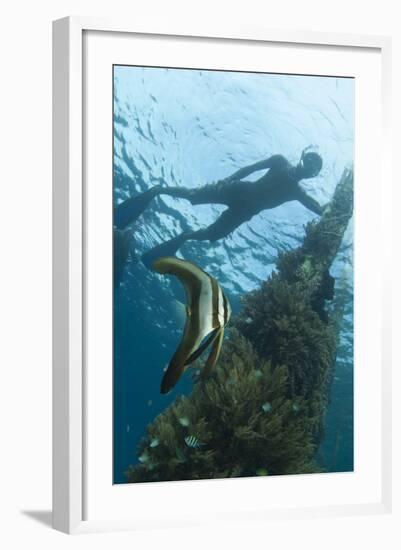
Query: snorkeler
x=244, y=199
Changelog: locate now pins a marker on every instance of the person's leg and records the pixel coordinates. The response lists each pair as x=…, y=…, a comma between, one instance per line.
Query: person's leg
x=129, y=211
x=213, y=193
x=178, y=192
x=223, y=226
x=168, y=248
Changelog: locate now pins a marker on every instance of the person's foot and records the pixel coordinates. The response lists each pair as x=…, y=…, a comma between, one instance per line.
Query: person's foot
x=168, y=248
x=127, y=212
x=155, y=190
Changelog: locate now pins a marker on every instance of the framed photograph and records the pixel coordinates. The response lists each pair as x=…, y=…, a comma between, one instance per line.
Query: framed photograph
x=221, y=328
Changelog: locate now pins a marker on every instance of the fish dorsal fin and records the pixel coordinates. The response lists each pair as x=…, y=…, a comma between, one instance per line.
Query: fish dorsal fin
x=202, y=348
x=179, y=312
x=190, y=275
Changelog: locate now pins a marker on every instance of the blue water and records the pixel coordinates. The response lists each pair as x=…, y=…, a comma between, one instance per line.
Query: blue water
x=178, y=127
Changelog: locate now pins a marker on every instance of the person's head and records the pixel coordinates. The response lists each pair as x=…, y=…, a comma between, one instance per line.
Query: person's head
x=309, y=165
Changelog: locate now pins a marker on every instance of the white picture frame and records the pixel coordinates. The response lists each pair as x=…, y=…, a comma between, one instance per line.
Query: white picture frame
x=70, y=256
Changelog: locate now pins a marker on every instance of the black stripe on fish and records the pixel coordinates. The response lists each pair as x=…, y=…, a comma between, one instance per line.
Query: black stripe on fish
x=215, y=302
x=197, y=353
x=225, y=309
x=193, y=298
x=193, y=442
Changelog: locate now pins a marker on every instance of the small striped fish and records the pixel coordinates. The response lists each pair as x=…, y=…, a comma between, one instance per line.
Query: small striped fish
x=193, y=442
x=208, y=312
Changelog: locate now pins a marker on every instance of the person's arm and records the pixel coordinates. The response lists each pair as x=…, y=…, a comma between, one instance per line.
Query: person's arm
x=309, y=203
x=261, y=165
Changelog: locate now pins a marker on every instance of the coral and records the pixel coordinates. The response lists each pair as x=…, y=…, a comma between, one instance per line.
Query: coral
x=282, y=325
x=237, y=435
x=308, y=266
x=262, y=410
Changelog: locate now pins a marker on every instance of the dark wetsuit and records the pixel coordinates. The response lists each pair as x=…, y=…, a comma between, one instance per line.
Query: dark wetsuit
x=245, y=199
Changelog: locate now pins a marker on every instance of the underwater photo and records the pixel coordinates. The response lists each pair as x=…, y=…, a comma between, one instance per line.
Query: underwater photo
x=232, y=274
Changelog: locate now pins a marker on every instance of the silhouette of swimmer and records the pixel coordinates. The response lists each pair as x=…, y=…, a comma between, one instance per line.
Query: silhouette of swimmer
x=244, y=199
